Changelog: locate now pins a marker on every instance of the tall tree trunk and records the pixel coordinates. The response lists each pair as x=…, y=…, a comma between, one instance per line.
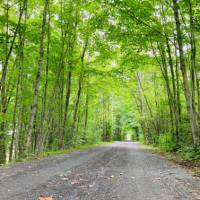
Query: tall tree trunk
x=165, y=73
x=76, y=107
x=193, y=72
x=14, y=130
x=187, y=92
x=3, y=91
x=147, y=102
x=177, y=68
x=5, y=64
x=67, y=98
x=174, y=100
x=43, y=125
x=86, y=111
x=38, y=78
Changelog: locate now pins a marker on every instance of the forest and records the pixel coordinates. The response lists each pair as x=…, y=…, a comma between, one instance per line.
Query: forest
x=76, y=72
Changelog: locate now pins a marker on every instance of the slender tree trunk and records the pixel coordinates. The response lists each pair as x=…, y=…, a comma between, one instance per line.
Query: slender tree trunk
x=169, y=92
x=86, y=111
x=178, y=100
x=67, y=99
x=76, y=107
x=194, y=71
x=193, y=54
x=141, y=108
x=38, y=78
x=3, y=91
x=187, y=92
x=79, y=89
x=147, y=103
x=5, y=64
x=19, y=137
x=174, y=101
x=43, y=124
x=14, y=130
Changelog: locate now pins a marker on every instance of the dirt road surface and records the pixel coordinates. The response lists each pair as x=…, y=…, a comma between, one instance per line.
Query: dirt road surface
x=118, y=171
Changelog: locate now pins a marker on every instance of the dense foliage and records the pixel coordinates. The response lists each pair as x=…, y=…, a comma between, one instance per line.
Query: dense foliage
x=83, y=71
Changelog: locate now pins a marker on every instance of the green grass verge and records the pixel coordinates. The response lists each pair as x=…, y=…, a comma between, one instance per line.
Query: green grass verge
x=70, y=150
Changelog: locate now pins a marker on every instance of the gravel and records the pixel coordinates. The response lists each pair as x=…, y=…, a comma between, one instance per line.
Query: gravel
x=118, y=171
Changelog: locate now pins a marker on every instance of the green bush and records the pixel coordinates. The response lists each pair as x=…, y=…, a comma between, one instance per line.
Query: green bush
x=190, y=153
x=93, y=137
x=142, y=138
x=166, y=142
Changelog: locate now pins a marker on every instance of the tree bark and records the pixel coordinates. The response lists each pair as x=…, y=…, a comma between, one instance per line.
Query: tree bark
x=67, y=99
x=187, y=92
x=3, y=91
x=38, y=78
x=76, y=107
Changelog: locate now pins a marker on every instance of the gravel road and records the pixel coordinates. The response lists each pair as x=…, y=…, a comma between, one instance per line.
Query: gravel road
x=118, y=171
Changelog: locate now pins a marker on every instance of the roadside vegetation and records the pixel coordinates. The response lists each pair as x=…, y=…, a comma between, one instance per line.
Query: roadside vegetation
x=85, y=71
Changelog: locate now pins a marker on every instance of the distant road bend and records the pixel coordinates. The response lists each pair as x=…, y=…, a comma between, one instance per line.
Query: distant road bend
x=118, y=171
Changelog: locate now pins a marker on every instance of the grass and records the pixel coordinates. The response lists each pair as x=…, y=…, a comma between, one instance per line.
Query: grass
x=70, y=150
